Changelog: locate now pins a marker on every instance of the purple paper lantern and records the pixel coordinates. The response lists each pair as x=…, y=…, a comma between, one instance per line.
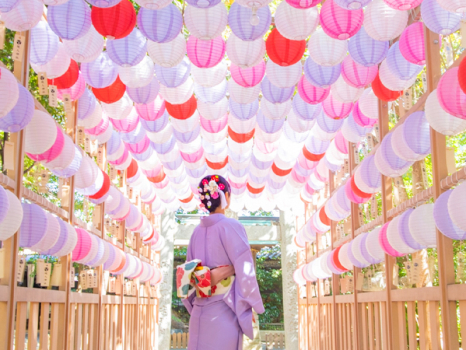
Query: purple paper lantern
x=8, y=5
x=404, y=232
x=21, y=114
x=246, y=25
x=4, y=204
x=352, y=4
x=365, y=50
x=145, y=94
x=70, y=20
x=86, y=104
x=387, y=161
x=134, y=136
x=416, y=133
x=34, y=225
x=62, y=238
x=443, y=220
x=321, y=76
x=156, y=125
x=44, y=44
x=71, y=169
x=104, y=3
x=211, y=94
x=174, y=76
x=305, y=110
x=327, y=124
x=275, y=94
x=439, y=20
x=243, y=111
x=187, y=137
x=399, y=66
x=128, y=51
x=101, y=72
x=270, y=126
x=367, y=177
x=160, y=26
x=203, y=3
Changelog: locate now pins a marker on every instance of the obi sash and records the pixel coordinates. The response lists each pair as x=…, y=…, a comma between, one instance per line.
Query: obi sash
x=191, y=274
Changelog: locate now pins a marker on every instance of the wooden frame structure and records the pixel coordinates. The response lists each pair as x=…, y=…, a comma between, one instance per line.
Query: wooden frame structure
x=412, y=318
x=62, y=319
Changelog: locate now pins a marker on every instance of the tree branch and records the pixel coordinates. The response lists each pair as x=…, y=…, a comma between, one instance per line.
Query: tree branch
x=29, y=168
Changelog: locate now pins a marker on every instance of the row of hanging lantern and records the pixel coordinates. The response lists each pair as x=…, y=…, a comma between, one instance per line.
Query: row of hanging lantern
x=176, y=130
x=413, y=230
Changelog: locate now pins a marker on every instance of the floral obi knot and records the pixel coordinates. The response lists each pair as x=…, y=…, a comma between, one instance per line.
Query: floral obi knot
x=193, y=277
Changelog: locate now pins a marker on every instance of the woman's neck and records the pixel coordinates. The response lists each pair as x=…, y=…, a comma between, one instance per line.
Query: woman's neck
x=218, y=211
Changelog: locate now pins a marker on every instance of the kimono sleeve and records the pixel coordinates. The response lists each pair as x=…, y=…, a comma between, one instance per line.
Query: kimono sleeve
x=244, y=294
x=188, y=302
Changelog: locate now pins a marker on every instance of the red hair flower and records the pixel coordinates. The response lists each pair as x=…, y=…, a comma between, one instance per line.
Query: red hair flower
x=205, y=182
x=221, y=186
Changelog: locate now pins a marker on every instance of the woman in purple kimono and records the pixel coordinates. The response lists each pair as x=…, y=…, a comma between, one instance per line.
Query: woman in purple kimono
x=219, y=321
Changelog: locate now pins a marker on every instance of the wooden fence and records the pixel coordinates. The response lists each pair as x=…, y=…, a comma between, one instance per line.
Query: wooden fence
x=35, y=318
x=393, y=318
x=179, y=341
x=273, y=340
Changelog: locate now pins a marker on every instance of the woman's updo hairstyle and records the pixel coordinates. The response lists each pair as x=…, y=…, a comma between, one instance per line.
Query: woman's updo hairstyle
x=209, y=192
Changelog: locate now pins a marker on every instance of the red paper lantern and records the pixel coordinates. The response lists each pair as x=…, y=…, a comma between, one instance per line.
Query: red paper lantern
x=311, y=156
x=104, y=189
x=68, y=79
x=254, y=190
x=111, y=93
x=283, y=51
x=132, y=169
x=187, y=200
x=114, y=22
x=240, y=138
x=280, y=172
x=323, y=217
x=217, y=166
x=157, y=179
x=462, y=75
x=336, y=261
x=382, y=92
x=357, y=191
x=182, y=111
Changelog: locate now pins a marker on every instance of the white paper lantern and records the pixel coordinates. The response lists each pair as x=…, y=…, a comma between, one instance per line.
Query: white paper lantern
x=284, y=77
x=52, y=235
x=24, y=16
x=120, y=109
x=394, y=238
x=456, y=6
x=65, y=158
x=242, y=94
x=70, y=242
x=206, y=23
x=369, y=104
x=139, y=75
x=87, y=173
x=253, y=4
x=167, y=54
x=344, y=92
x=41, y=133
x=325, y=50
x=178, y=95
x=13, y=218
x=209, y=77
x=294, y=23
x=440, y=120
x=382, y=22
x=153, y=4
x=373, y=247
x=93, y=119
x=213, y=111
x=87, y=48
x=456, y=205
x=391, y=81
x=245, y=54
x=422, y=225
x=275, y=110
x=9, y=91
x=57, y=66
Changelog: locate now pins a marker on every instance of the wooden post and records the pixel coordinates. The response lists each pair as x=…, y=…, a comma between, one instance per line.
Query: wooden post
x=335, y=278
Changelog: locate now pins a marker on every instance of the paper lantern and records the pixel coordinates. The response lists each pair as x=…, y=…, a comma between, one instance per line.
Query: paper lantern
x=403, y=5
x=373, y=247
x=343, y=257
x=139, y=75
x=101, y=72
x=162, y=25
x=24, y=16
x=455, y=202
x=86, y=48
x=462, y=75
x=335, y=109
x=284, y=77
x=440, y=120
x=391, y=81
x=344, y=92
x=321, y=76
x=74, y=91
x=338, y=22
x=41, y=133
x=111, y=93
x=168, y=54
x=358, y=249
x=422, y=225
x=8, y=5
x=365, y=50
x=33, y=226
x=13, y=216
x=153, y=4
x=439, y=20
x=303, y=4
x=44, y=44
x=443, y=219
x=72, y=167
x=51, y=236
x=449, y=94
x=206, y=24
x=387, y=161
x=243, y=111
x=384, y=243
x=71, y=20
x=21, y=114
x=241, y=94
x=412, y=141
x=115, y=22
x=248, y=25
x=382, y=22
x=275, y=94
x=128, y=51
x=276, y=111
x=456, y=6
x=394, y=238
x=368, y=104
x=296, y=24
x=4, y=204
x=399, y=66
x=209, y=77
x=203, y=3
x=68, y=79
x=245, y=54
x=305, y=110
x=53, y=151
x=212, y=94
x=310, y=93
x=411, y=43
x=382, y=92
x=283, y=51
x=325, y=50
x=178, y=95
x=205, y=53
x=247, y=77
x=146, y=94
x=66, y=241
x=152, y=110
x=174, y=76
x=367, y=177
x=357, y=75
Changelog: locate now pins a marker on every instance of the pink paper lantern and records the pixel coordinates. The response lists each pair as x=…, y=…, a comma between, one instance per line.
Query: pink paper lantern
x=357, y=75
x=411, y=44
x=336, y=109
x=75, y=92
x=403, y=5
x=450, y=96
x=83, y=245
x=383, y=241
x=310, y=93
x=248, y=77
x=340, y=23
x=205, y=53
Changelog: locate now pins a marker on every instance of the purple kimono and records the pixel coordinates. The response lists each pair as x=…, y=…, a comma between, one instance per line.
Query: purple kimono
x=219, y=322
